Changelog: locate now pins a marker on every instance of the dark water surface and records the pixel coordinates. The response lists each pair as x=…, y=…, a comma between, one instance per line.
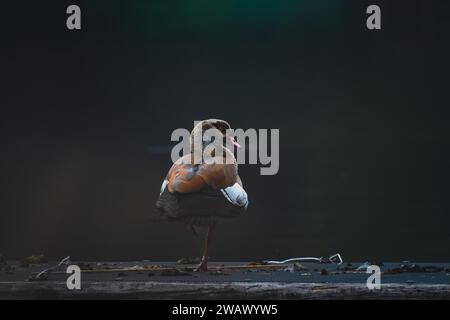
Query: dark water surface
x=363, y=119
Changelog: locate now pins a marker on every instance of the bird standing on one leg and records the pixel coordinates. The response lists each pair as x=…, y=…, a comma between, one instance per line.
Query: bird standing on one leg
x=200, y=193
x=203, y=266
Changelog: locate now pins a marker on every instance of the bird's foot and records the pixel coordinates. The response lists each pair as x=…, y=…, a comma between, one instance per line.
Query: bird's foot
x=202, y=267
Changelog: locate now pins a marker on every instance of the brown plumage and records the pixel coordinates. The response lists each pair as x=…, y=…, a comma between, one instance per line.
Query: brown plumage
x=199, y=194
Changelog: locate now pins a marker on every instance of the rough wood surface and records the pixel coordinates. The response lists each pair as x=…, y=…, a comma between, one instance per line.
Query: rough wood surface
x=232, y=290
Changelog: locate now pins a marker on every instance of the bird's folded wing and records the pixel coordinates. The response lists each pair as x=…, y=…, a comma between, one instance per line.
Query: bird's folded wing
x=218, y=176
x=186, y=178
x=183, y=178
x=236, y=195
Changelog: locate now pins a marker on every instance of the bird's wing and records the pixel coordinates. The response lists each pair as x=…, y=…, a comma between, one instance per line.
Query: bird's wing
x=218, y=176
x=236, y=195
x=184, y=177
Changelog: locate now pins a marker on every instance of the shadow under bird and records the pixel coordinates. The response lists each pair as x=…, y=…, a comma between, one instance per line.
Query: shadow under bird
x=201, y=194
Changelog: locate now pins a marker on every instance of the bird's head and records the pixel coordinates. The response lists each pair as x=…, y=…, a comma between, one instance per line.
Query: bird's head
x=210, y=130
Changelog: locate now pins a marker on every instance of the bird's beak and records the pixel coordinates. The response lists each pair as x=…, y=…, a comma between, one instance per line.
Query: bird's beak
x=234, y=143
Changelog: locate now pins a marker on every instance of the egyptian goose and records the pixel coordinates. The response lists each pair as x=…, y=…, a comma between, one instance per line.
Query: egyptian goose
x=200, y=194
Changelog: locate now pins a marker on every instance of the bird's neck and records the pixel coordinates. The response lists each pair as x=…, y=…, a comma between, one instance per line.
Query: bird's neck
x=211, y=152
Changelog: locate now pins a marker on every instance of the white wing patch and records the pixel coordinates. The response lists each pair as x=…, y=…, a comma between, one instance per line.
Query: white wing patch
x=164, y=185
x=236, y=195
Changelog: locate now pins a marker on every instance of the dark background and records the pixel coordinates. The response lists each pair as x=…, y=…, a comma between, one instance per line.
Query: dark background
x=363, y=118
